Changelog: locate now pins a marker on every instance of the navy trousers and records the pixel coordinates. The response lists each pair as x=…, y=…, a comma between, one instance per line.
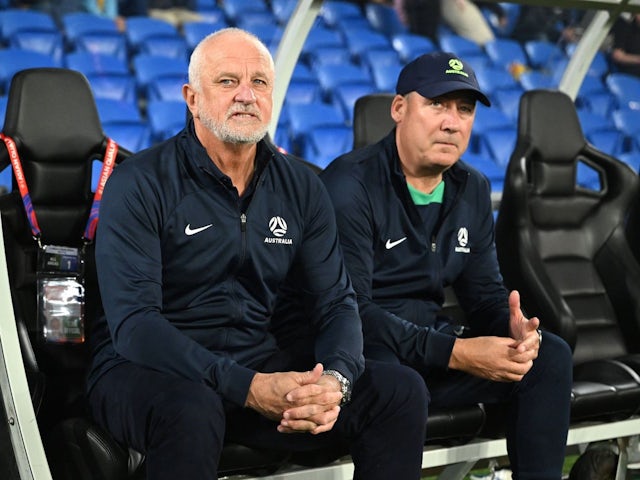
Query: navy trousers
x=180, y=425
x=537, y=408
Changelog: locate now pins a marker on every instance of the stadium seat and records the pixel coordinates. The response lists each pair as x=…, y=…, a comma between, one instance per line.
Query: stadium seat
x=323, y=144
x=56, y=151
x=498, y=143
x=94, y=33
x=360, y=40
x=234, y=10
x=384, y=18
x=193, y=32
x=320, y=36
x=493, y=172
x=13, y=60
x=301, y=122
x=141, y=29
x=108, y=76
x=563, y=247
x=345, y=96
x=507, y=100
x=628, y=122
x=461, y=46
x=385, y=76
x=537, y=79
x=46, y=42
x=333, y=12
x=282, y=10
x=410, y=46
x=543, y=54
x=328, y=55
x=149, y=67
x=487, y=119
x=505, y=52
x=330, y=76
x=166, y=118
x=14, y=20
x=123, y=122
x=625, y=88
x=492, y=78
x=599, y=66
x=165, y=46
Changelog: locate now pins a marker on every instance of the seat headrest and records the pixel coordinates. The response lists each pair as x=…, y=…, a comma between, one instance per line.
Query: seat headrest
x=51, y=114
x=372, y=118
x=549, y=123
x=559, y=137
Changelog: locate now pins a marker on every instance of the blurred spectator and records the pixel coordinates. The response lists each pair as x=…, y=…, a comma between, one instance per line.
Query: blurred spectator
x=176, y=12
x=107, y=8
x=552, y=24
x=421, y=17
x=466, y=19
x=626, y=44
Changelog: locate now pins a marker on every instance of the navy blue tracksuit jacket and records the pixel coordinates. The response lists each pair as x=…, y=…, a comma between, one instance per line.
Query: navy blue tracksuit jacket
x=399, y=269
x=189, y=274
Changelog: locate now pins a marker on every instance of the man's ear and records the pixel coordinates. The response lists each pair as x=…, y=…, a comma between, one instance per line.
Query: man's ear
x=398, y=107
x=189, y=95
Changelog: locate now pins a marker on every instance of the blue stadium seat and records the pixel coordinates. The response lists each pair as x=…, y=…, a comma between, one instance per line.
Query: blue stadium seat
x=283, y=9
x=492, y=78
x=384, y=19
x=345, y=96
x=487, y=119
x=166, y=118
x=601, y=102
x=537, y=79
x=500, y=144
x=628, y=122
x=625, y=87
x=360, y=40
x=301, y=122
x=95, y=34
x=320, y=36
x=504, y=52
x=17, y=19
x=149, y=67
x=166, y=88
x=108, y=76
x=330, y=76
x=13, y=60
x=612, y=142
x=303, y=86
x=543, y=53
x=632, y=159
x=328, y=55
x=165, y=46
x=325, y=143
x=508, y=101
x=269, y=33
x=141, y=28
x=410, y=45
x=235, y=9
x=47, y=42
x=599, y=66
x=500, y=27
x=193, y=32
x=124, y=123
x=334, y=12
x=461, y=46
x=494, y=173
x=385, y=76
x=372, y=58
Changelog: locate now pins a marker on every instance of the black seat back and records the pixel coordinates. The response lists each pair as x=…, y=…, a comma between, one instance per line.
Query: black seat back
x=52, y=117
x=563, y=245
x=372, y=118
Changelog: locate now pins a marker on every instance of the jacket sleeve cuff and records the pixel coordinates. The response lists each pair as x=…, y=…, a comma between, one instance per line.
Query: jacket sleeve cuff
x=439, y=348
x=236, y=388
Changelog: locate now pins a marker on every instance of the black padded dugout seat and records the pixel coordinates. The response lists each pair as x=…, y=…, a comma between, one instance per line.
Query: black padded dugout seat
x=371, y=122
x=52, y=117
x=564, y=248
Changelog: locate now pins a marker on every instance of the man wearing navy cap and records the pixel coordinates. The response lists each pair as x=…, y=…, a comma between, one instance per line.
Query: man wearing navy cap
x=414, y=219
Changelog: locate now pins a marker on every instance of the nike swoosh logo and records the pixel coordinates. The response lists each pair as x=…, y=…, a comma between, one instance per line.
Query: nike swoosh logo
x=389, y=245
x=192, y=231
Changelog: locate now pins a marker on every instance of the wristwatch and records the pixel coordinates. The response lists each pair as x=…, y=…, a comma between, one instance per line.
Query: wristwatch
x=345, y=385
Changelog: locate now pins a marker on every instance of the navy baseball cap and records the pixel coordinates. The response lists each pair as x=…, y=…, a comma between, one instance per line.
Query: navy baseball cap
x=437, y=73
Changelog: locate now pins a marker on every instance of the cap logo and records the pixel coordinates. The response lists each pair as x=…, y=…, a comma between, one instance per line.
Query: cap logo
x=456, y=67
